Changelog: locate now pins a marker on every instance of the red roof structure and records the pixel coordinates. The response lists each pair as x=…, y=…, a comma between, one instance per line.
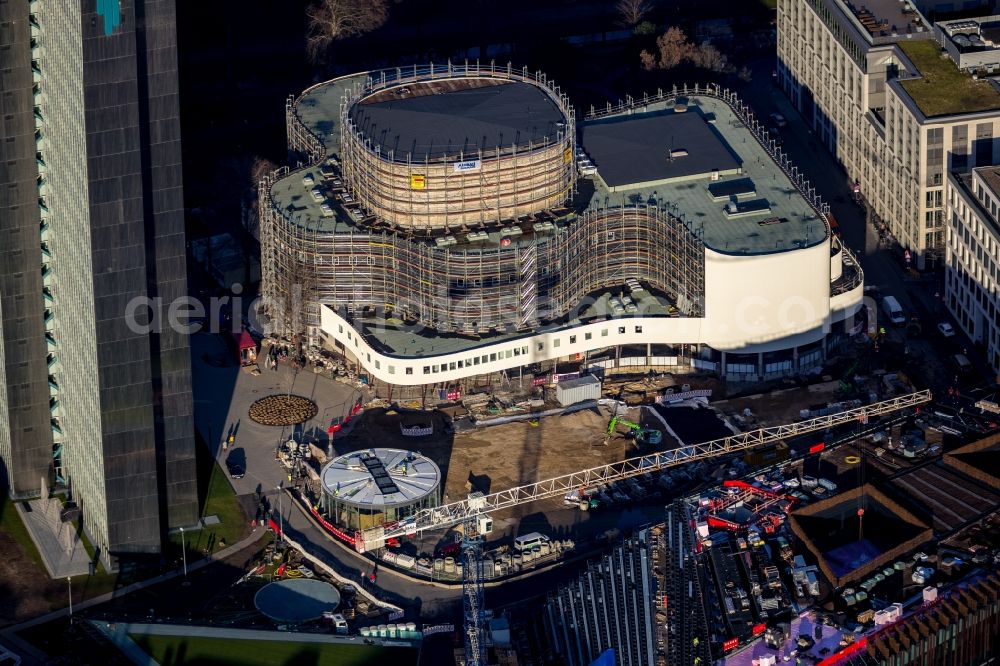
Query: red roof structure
x=246, y=348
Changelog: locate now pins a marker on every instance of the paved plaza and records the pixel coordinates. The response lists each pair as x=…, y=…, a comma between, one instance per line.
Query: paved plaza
x=223, y=393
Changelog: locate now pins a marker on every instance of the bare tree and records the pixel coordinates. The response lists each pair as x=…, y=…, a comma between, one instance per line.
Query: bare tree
x=331, y=20
x=673, y=47
x=632, y=11
x=708, y=57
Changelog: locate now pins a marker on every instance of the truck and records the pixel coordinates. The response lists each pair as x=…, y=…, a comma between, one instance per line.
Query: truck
x=893, y=310
x=828, y=484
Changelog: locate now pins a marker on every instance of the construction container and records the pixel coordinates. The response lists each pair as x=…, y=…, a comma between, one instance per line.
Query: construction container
x=449, y=565
x=438, y=564
x=572, y=391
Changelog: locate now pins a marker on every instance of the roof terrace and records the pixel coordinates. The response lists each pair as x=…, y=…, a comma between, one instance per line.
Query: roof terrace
x=887, y=18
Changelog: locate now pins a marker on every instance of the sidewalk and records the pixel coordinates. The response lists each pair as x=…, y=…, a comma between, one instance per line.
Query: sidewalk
x=60, y=547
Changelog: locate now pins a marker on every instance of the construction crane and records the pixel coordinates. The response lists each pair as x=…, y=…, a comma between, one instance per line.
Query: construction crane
x=474, y=512
x=474, y=610
x=642, y=435
x=478, y=507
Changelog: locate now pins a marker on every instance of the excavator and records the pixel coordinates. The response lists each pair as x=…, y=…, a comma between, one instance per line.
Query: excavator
x=640, y=434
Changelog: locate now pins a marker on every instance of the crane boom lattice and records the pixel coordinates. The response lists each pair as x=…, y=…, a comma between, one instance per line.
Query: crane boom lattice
x=457, y=512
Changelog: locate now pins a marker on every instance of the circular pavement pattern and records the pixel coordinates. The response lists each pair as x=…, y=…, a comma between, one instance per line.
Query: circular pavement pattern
x=282, y=410
x=296, y=600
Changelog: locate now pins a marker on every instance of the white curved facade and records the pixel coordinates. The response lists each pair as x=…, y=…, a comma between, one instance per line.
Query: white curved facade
x=753, y=304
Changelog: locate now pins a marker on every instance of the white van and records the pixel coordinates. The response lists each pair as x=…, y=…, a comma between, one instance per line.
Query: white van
x=893, y=310
x=528, y=541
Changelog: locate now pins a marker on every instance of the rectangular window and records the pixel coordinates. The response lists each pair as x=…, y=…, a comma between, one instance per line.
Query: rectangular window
x=378, y=366
x=409, y=370
x=555, y=343
x=485, y=357
x=493, y=357
x=517, y=352
x=588, y=336
x=475, y=361
x=984, y=144
x=369, y=357
x=638, y=329
x=524, y=350
x=621, y=330
x=435, y=369
x=572, y=339
x=508, y=353
x=461, y=364
x=604, y=332
x=427, y=370
x=340, y=328
x=541, y=346
x=451, y=366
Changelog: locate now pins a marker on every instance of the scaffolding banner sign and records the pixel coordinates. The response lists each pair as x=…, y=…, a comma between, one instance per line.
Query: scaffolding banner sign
x=418, y=181
x=468, y=165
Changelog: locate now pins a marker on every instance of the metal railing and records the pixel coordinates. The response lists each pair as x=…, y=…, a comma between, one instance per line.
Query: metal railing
x=742, y=112
x=456, y=512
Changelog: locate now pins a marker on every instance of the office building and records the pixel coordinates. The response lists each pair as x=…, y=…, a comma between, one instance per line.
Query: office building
x=873, y=81
x=91, y=209
x=972, y=273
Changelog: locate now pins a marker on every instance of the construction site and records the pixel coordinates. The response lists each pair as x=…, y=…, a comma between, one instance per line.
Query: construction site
x=447, y=230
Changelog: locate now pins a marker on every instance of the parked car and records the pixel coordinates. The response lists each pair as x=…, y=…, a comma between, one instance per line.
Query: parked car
x=778, y=120
x=236, y=470
x=946, y=329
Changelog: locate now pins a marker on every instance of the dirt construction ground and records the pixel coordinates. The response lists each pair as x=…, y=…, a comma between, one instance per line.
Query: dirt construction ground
x=504, y=456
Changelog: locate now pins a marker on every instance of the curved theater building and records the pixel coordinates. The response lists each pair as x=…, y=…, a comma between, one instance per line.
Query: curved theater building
x=443, y=224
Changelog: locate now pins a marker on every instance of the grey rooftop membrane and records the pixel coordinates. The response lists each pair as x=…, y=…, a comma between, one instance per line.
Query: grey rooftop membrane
x=787, y=222
x=427, y=123
x=629, y=150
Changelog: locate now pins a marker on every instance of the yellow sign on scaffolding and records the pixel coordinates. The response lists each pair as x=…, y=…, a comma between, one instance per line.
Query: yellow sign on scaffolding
x=418, y=181
x=568, y=155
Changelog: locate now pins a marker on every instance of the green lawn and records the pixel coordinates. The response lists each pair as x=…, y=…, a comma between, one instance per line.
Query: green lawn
x=218, y=499
x=943, y=89
x=174, y=650
x=12, y=525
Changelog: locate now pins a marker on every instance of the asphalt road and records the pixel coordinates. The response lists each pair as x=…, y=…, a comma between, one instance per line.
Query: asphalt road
x=920, y=297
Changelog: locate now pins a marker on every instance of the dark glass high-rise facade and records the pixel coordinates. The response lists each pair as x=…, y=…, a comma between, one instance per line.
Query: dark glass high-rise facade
x=99, y=206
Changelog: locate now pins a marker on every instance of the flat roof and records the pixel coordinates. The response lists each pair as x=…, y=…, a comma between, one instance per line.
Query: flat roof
x=629, y=150
x=792, y=222
x=434, y=120
x=788, y=223
x=991, y=178
x=943, y=89
x=394, y=337
x=378, y=478
x=296, y=600
x=883, y=17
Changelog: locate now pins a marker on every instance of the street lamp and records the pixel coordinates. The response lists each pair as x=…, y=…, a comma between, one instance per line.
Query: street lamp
x=281, y=520
x=184, y=558
x=69, y=587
